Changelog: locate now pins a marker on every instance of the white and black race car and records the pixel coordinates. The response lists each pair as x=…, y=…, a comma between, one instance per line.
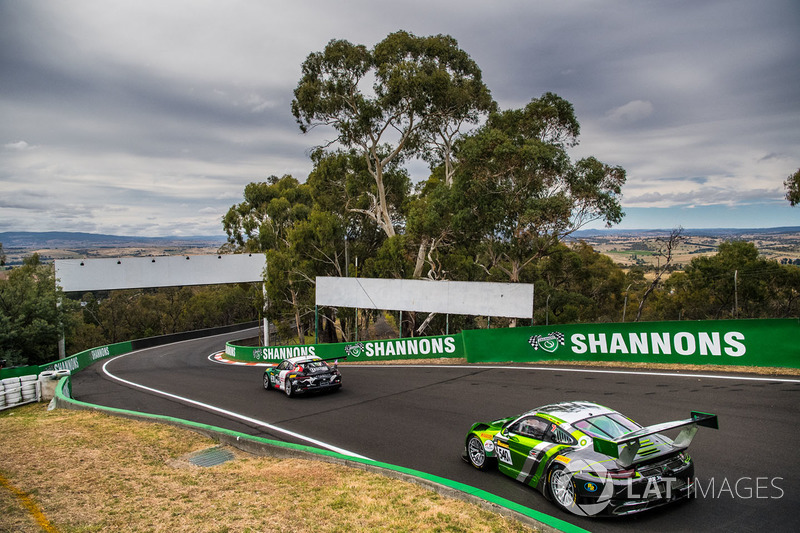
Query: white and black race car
x=305, y=373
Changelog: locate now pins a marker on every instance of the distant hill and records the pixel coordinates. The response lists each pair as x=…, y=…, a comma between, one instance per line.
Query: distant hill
x=64, y=239
x=724, y=233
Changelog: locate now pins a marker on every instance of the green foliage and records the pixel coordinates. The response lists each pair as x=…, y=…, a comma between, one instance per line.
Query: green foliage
x=734, y=283
x=32, y=314
x=792, y=185
x=123, y=315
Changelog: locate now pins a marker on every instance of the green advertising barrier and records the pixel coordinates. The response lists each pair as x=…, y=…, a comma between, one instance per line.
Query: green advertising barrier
x=768, y=342
x=449, y=346
x=81, y=360
x=73, y=363
x=753, y=342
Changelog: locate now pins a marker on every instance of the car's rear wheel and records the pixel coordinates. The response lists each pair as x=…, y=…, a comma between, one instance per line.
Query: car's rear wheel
x=476, y=453
x=562, y=487
x=287, y=387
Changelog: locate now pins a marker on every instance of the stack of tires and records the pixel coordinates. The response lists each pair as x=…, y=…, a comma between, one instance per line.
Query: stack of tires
x=13, y=391
x=28, y=387
x=2, y=395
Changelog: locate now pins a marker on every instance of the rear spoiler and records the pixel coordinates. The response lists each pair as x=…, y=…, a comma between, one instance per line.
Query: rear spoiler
x=626, y=446
x=333, y=358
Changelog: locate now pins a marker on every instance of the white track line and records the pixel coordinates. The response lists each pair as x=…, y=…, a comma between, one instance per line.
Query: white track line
x=230, y=414
x=219, y=359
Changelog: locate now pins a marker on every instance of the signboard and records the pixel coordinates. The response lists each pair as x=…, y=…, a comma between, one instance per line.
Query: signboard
x=85, y=275
x=511, y=300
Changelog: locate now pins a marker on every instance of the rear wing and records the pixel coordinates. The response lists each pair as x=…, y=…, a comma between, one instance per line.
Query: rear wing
x=626, y=446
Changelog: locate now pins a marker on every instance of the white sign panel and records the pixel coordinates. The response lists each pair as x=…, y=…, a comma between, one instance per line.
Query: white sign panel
x=511, y=300
x=84, y=275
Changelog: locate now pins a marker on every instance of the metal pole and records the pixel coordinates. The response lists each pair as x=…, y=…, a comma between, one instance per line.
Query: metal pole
x=625, y=306
x=266, y=306
x=547, y=311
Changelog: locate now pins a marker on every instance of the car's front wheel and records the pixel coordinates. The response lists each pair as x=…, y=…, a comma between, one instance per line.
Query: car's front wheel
x=562, y=487
x=267, y=382
x=476, y=453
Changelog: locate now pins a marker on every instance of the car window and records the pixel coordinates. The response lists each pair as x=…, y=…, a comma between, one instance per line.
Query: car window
x=316, y=365
x=559, y=436
x=532, y=427
x=608, y=426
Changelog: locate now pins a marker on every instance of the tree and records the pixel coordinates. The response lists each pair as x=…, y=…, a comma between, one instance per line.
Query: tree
x=269, y=208
x=422, y=89
x=665, y=251
x=32, y=314
x=519, y=192
x=792, y=185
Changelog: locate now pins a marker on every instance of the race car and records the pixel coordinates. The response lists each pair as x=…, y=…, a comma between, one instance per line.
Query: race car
x=588, y=459
x=305, y=373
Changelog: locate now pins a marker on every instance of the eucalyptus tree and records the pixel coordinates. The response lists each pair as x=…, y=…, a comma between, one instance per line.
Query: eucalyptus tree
x=519, y=191
x=405, y=98
x=792, y=185
x=33, y=314
x=269, y=209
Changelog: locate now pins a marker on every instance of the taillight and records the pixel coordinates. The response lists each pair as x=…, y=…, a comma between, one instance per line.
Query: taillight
x=622, y=474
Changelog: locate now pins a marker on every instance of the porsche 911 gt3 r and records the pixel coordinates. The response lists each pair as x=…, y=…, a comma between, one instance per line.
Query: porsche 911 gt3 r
x=305, y=373
x=589, y=459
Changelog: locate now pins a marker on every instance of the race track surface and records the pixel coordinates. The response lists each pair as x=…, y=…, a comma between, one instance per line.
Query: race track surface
x=417, y=417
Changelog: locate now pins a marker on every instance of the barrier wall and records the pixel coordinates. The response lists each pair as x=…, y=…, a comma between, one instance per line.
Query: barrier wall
x=81, y=360
x=767, y=342
x=416, y=348
x=771, y=343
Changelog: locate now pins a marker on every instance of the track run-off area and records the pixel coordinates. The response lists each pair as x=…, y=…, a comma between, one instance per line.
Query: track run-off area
x=417, y=415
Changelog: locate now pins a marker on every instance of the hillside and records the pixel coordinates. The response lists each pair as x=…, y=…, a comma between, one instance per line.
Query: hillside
x=69, y=245
x=625, y=247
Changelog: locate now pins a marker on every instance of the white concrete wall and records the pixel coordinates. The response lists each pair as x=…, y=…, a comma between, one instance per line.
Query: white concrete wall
x=512, y=300
x=161, y=271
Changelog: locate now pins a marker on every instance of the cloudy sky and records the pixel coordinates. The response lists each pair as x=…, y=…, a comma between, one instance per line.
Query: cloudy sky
x=149, y=117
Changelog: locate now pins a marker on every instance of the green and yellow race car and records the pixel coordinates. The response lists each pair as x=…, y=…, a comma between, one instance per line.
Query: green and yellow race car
x=589, y=459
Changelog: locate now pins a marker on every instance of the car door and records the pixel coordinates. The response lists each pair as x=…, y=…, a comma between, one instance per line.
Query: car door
x=283, y=369
x=519, y=447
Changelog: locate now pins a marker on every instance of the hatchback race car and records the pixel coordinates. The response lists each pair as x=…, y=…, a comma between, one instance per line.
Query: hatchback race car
x=589, y=459
x=305, y=373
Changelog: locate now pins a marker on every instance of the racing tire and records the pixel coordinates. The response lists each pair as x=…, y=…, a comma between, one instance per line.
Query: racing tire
x=288, y=388
x=267, y=382
x=561, y=487
x=476, y=454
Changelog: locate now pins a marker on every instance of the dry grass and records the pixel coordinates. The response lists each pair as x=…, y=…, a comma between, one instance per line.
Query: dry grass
x=90, y=472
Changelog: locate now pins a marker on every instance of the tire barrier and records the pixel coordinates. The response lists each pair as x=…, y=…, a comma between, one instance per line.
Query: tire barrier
x=19, y=390
x=48, y=381
x=12, y=391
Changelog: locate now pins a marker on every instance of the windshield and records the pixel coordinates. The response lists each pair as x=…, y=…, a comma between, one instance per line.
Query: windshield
x=608, y=426
x=316, y=365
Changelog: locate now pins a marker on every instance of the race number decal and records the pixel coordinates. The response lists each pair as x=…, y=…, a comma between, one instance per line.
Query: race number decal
x=503, y=454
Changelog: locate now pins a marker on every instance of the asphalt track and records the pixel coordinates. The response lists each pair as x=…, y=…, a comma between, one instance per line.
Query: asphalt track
x=417, y=416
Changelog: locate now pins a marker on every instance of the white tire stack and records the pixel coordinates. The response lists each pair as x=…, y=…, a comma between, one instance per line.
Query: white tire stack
x=13, y=391
x=28, y=386
x=2, y=395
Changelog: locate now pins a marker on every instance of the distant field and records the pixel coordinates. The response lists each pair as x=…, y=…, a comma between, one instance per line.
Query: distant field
x=629, y=249
x=626, y=248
